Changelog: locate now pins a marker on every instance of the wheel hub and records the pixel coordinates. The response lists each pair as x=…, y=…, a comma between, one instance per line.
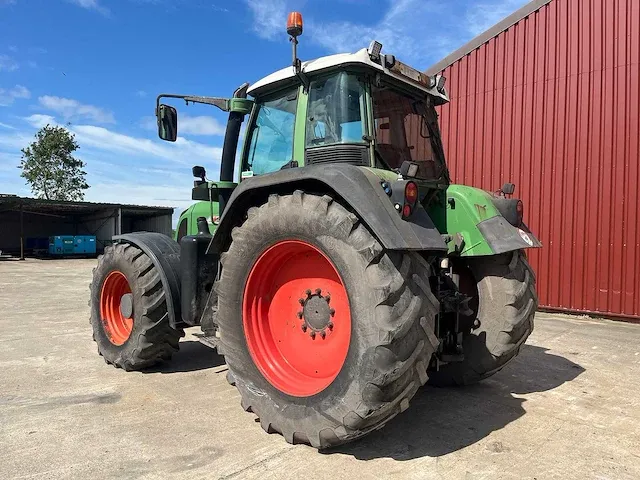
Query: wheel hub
x=126, y=305
x=316, y=313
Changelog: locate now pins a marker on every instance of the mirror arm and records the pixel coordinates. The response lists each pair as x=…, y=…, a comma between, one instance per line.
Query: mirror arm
x=221, y=103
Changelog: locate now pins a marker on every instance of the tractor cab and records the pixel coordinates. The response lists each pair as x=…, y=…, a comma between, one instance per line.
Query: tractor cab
x=365, y=109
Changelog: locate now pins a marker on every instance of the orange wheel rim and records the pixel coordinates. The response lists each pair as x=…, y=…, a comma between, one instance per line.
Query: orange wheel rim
x=117, y=327
x=296, y=318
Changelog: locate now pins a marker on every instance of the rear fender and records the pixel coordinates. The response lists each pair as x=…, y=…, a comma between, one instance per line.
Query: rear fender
x=164, y=252
x=471, y=213
x=356, y=187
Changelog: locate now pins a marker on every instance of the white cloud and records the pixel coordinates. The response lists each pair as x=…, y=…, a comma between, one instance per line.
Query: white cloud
x=73, y=110
x=182, y=151
x=187, y=125
x=10, y=95
x=485, y=15
x=7, y=64
x=156, y=194
x=268, y=17
x=8, y=127
x=38, y=120
x=141, y=93
x=92, y=5
x=200, y=125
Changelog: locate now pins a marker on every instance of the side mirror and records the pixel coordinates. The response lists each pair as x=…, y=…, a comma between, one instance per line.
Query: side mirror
x=167, y=122
x=199, y=172
x=508, y=188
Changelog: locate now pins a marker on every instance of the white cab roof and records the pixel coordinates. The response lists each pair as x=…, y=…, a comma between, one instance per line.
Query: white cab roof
x=361, y=57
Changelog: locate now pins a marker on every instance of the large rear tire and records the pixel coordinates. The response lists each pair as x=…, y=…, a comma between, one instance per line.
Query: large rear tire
x=506, y=305
x=284, y=261
x=137, y=334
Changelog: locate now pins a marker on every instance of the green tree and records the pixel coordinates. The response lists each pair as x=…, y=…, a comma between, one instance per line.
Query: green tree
x=49, y=167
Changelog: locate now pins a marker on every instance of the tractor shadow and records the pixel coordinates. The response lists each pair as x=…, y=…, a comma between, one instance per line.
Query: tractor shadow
x=191, y=357
x=444, y=420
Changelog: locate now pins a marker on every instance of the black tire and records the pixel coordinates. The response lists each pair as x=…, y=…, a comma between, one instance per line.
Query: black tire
x=152, y=338
x=392, y=311
x=507, y=302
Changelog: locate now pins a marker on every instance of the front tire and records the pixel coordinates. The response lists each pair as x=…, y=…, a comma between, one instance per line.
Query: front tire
x=384, y=311
x=141, y=336
x=507, y=302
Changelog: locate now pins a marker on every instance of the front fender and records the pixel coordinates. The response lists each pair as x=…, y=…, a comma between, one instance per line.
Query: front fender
x=164, y=252
x=356, y=187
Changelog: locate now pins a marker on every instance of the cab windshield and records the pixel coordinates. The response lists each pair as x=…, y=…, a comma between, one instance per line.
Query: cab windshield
x=407, y=130
x=271, y=135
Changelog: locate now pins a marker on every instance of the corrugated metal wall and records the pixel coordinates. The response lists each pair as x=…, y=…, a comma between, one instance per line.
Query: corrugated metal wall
x=553, y=104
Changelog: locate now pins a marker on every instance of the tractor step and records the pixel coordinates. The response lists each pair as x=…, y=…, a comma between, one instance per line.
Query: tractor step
x=211, y=341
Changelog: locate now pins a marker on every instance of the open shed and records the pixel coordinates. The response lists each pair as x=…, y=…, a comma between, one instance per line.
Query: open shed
x=23, y=218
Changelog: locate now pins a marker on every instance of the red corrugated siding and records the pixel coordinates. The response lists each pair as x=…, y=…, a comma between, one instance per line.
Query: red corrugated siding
x=553, y=104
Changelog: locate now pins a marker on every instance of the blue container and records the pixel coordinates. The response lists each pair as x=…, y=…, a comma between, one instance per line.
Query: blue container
x=84, y=245
x=61, y=245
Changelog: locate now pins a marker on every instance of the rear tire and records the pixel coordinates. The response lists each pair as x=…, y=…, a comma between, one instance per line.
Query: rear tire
x=392, y=316
x=507, y=302
x=145, y=339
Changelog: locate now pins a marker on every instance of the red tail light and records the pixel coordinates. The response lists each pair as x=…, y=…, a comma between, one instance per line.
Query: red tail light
x=411, y=193
x=410, y=199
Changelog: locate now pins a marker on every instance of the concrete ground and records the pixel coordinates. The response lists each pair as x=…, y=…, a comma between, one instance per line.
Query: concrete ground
x=568, y=407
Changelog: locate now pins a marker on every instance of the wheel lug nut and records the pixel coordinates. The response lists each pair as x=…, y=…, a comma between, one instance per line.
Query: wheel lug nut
x=301, y=300
x=304, y=327
x=312, y=334
x=328, y=298
x=308, y=292
x=332, y=312
x=323, y=334
x=330, y=325
x=300, y=315
x=318, y=291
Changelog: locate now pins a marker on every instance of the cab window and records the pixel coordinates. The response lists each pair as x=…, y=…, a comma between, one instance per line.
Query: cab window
x=271, y=137
x=335, y=110
x=406, y=130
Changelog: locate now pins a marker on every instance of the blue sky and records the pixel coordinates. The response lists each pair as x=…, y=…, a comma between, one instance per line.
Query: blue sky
x=98, y=65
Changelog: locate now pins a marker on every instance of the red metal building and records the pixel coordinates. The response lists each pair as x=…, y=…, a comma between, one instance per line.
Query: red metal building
x=549, y=99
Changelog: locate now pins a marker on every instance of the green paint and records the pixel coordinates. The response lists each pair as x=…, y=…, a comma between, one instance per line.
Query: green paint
x=191, y=214
x=299, y=129
x=470, y=207
x=240, y=105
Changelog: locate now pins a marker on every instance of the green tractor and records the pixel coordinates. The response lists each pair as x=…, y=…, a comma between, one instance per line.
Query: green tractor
x=344, y=271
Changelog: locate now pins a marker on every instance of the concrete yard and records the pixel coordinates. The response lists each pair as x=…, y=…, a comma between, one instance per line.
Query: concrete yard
x=568, y=407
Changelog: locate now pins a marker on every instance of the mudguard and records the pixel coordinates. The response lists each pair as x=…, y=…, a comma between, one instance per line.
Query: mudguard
x=164, y=252
x=356, y=187
x=472, y=213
